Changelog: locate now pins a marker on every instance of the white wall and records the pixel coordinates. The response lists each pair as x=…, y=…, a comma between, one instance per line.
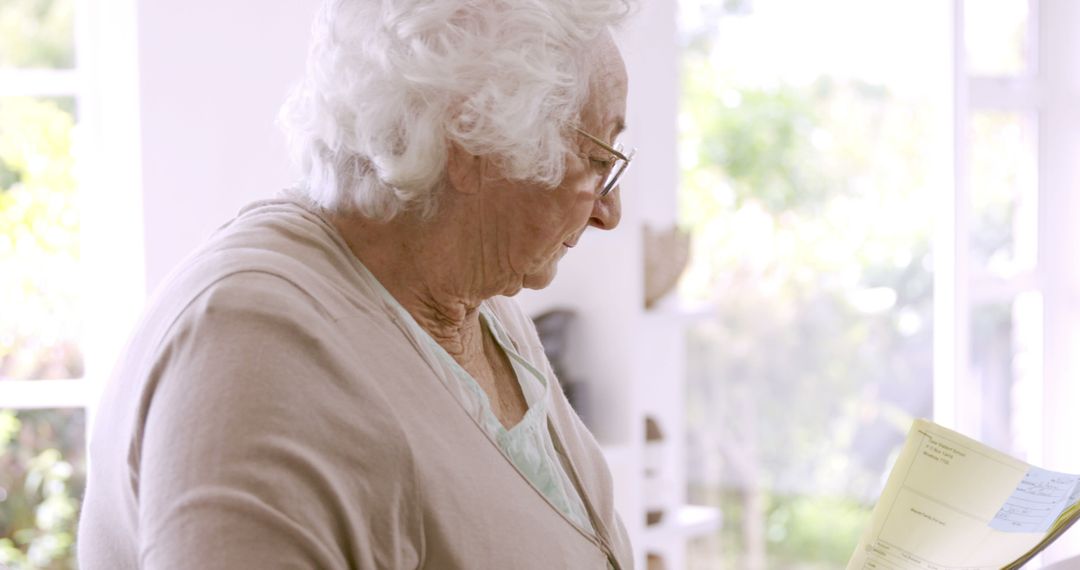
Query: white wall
x=211, y=77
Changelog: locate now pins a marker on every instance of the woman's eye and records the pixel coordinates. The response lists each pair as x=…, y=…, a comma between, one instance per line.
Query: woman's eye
x=600, y=163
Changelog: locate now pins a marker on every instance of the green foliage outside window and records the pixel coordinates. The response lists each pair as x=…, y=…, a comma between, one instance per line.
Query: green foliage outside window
x=39, y=241
x=36, y=34
x=808, y=204
x=41, y=480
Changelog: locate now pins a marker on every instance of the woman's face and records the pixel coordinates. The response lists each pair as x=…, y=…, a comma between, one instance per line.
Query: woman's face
x=537, y=226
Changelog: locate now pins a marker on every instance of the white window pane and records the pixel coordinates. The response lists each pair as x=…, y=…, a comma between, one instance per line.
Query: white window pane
x=39, y=241
x=1006, y=369
x=1004, y=193
x=996, y=37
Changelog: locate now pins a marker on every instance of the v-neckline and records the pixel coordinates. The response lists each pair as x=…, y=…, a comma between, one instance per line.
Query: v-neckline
x=412, y=331
x=599, y=536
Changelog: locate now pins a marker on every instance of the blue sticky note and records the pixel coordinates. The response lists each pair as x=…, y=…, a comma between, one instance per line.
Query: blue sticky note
x=1037, y=501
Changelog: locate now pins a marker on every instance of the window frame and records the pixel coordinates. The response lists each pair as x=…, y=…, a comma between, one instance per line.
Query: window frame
x=1047, y=91
x=956, y=286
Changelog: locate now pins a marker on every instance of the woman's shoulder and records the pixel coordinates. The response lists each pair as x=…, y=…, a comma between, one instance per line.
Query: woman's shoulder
x=273, y=250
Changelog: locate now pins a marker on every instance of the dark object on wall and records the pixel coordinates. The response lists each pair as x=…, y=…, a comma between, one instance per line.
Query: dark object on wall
x=656, y=487
x=554, y=329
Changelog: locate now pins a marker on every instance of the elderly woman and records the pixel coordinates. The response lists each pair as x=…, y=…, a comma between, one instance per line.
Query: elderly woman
x=338, y=379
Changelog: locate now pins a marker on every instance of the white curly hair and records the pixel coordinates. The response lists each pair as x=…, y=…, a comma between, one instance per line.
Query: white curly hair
x=391, y=83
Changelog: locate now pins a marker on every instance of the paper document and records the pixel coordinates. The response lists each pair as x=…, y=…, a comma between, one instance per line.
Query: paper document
x=953, y=503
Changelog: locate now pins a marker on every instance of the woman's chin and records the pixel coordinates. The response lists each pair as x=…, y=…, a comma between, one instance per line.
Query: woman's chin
x=541, y=278
x=544, y=272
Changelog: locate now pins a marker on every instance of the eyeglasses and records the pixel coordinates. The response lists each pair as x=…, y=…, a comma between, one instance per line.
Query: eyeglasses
x=615, y=168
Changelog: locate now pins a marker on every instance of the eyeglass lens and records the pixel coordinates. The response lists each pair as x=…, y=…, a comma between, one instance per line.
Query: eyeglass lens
x=617, y=169
x=613, y=176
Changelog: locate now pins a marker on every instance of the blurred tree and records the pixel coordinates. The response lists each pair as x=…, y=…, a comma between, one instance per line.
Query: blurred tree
x=39, y=241
x=807, y=206
x=41, y=476
x=37, y=34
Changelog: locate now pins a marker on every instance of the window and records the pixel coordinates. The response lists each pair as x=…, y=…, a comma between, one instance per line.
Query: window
x=41, y=359
x=877, y=227
x=996, y=220
x=62, y=304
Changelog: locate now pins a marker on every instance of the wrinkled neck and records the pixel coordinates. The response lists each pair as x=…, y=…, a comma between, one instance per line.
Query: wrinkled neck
x=425, y=268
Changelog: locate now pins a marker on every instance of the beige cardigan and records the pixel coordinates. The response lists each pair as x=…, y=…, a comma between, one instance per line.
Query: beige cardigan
x=271, y=413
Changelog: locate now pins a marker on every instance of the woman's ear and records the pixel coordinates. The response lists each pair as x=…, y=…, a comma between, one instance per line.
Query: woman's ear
x=464, y=171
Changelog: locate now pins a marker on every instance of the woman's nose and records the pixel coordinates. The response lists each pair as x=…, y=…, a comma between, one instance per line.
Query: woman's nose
x=607, y=211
